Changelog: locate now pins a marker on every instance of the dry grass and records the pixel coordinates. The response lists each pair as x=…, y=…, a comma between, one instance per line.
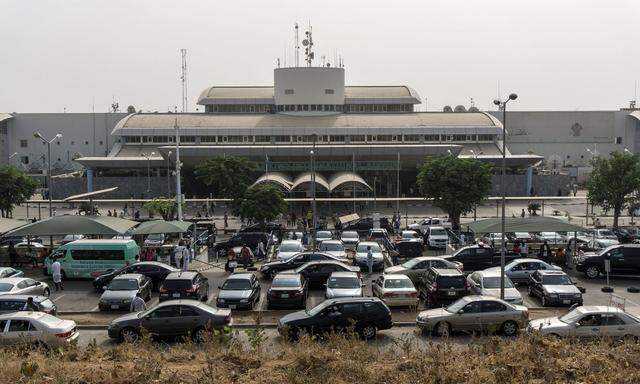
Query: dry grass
x=529, y=359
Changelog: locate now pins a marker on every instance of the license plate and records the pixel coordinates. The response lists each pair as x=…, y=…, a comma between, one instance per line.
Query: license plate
x=284, y=295
x=451, y=293
x=176, y=295
x=566, y=301
x=232, y=306
x=233, y=264
x=115, y=306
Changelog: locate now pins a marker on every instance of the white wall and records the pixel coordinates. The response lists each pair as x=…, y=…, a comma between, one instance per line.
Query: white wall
x=309, y=85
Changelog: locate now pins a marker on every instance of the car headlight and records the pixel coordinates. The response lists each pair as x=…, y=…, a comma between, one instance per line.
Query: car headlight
x=126, y=300
x=243, y=300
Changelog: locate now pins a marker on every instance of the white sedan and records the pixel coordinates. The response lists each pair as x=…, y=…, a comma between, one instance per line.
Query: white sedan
x=334, y=248
x=289, y=248
x=36, y=327
x=395, y=290
x=589, y=322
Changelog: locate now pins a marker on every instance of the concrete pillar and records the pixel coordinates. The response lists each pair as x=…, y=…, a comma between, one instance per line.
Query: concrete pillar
x=529, y=180
x=89, y=180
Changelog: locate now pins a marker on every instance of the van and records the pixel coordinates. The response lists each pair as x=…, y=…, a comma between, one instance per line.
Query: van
x=82, y=258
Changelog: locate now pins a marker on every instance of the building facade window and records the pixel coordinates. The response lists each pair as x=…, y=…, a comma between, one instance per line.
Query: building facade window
x=288, y=91
x=24, y=143
x=618, y=140
x=431, y=138
x=412, y=138
x=328, y=91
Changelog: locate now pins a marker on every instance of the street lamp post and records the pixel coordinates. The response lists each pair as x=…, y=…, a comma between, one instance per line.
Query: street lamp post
x=178, y=165
x=48, y=143
x=169, y=174
x=503, y=188
x=148, y=157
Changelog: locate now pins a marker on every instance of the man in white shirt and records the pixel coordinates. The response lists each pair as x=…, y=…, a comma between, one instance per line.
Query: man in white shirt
x=56, y=272
x=137, y=304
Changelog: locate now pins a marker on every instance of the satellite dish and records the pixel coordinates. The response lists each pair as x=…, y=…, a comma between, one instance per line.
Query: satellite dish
x=305, y=42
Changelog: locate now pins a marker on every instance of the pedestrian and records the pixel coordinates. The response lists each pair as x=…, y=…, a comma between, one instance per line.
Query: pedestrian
x=231, y=263
x=463, y=239
x=182, y=252
x=245, y=255
x=545, y=251
x=522, y=213
x=30, y=305
x=137, y=214
x=13, y=255
x=560, y=256
x=137, y=304
x=126, y=209
x=34, y=219
x=226, y=220
x=369, y=259
x=56, y=273
x=53, y=211
x=109, y=213
x=516, y=248
x=261, y=252
x=524, y=250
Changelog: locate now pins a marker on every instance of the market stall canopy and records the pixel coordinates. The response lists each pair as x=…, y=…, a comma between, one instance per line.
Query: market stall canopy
x=524, y=224
x=161, y=226
x=7, y=225
x=75, y=225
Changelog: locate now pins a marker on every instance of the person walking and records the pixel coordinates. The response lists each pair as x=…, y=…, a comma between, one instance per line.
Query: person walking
x=261, y=252
x=245, y=256
x=522, y=213
x=56, y=273
x=370, y=259
x=463, y=239
x=226, y=220
x=231, y=263
x=545, y=251
x=180, y=253
x=137, y=304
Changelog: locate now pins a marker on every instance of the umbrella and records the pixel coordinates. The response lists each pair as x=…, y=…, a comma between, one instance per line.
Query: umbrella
x=524, y=224
x=75, y=224
x=7, y=225
x=161, y=226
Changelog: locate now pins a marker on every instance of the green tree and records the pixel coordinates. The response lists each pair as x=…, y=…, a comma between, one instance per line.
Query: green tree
x=228, y=176
x=16, y=188
x=455, y=185
x=162, y=206
x=260, y=203
x=614, y=182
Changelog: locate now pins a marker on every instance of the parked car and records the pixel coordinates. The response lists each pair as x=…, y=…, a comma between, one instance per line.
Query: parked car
x=603, y=238
x=395, y=290
x=494, y=238
x=424, y=224
x=251, y=239
x=624, y=235
x=184, y=285
x=478, y=257
x=551, y=237
x=344, y=284
x=289, y=248
x=519, y=270
x=70, y=238
x=377, y=234
x=154, y=240
x=589, y=322
x=436, y=237
x=317, y=272
x=362, y=250
x=171, y=318
x=487, y=283
x=442, y=286
x=475, y=314
x=418, y=267
x=323, y=235
x=623, y=259
x=239, y=291
x=365, y=315
x=272, y=268
x=23, y=286
x=350, y=238
x=554, y=288
x=334, y=248
x=287, y=290
x=121, y=291
x=522, y=237
x=409, y=235
x=364, y=225
x=154, y=270
x=37, y=328
x=16, y=303
x=10, y=272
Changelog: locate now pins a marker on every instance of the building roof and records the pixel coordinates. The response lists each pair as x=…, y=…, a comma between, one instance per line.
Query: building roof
x=342, y=120
x=5, y=116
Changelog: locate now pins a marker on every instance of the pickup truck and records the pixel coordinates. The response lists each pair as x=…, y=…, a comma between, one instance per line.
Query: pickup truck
x=479, y=257
x=424, y=224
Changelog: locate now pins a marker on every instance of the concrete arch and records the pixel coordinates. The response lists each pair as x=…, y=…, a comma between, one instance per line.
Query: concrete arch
x=280, y=179
x=305, y=178
x=340, y=179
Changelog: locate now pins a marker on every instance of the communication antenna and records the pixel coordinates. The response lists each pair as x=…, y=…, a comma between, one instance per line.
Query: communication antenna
x=278, y=62
x=115, y=106
x=308, y=43
x=473, y=103
x=183, y=78
x=297, y=47
x=323, y=59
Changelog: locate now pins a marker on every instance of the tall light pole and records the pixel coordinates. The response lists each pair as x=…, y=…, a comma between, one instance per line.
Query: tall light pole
x=178, y=166
x=398, y=186
x=48, y=143
x=353, y=166
x=503, y=188
x=169, y=174
x=148, y=157
x=313, y=197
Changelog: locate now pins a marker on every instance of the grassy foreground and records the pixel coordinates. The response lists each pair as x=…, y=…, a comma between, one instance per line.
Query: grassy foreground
x=528, y=359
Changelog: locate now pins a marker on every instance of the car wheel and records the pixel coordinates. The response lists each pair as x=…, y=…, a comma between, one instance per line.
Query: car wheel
x=510, y=328
x=129, y=335
x=592, y=272
x=46, y=292
x=368, y=332
x=442, y=329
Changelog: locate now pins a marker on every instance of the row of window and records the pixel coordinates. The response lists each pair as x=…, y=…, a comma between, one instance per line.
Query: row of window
x=239, y=108
x=326, y=92
x=310, y=108
x=24, y=143
x=267, y=108
x=269, y=139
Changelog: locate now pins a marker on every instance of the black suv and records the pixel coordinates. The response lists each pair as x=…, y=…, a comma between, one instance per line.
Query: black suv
x=251, y=239
x=441, y=286
x=270, y=269
x=478, y=257
x=185, y=285
x=317, y=272
x=365, y=315
x=154, y=270
x=363, y=226
x=623, y=258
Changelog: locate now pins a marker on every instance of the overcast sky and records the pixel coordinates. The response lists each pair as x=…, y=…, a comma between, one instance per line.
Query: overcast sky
x=556, y=54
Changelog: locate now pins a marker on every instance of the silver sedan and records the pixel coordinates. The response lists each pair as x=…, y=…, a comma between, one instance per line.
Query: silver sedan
x=520, y=269
x=395, y=290
x=589, y=322
x=23, y=286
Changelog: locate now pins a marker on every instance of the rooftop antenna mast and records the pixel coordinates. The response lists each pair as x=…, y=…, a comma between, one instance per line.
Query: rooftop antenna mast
x=308, y=43
x=183, y=78
x=297, y=47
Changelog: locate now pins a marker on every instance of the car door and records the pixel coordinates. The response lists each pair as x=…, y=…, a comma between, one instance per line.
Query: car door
x=632, y=259
x=21, y=330
x=619, y=262
x=418, y=270
x=469, y=317
x=535, y=284
x=589, y=326
x=614, y=326
x=161, y=320
x=494, y=313
x=187, y=321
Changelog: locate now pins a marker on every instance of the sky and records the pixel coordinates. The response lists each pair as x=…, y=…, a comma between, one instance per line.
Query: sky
x=80, y=55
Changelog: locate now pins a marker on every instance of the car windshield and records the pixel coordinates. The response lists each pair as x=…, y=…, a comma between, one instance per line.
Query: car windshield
x=438, y=232
x=409, y=235
x=343, y=282
x=323, y=234
x=556, y=280
x=331, y=247
x=5, y=287
x=458, y=305
x=409, y=264
x=156, y=237
x=123, y=285
x=571, y=317
x=362, y=248
x=290, y=247
x=318, y=308
x=349, y=235
x=397, y=283
x=285, y=282
x=236, y=284
x=493, y=282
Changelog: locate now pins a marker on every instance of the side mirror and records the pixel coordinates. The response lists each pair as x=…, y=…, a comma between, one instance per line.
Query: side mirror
x=460, y=311
x=219, y=286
